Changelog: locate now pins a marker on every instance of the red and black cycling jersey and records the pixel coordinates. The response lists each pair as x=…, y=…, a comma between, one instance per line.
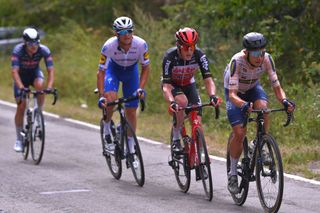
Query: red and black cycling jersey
x=178, y=72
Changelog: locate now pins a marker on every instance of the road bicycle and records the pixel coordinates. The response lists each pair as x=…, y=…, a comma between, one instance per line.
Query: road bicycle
x=268, y=174
x=119, y=137
x=33, y=132
x=194, y=154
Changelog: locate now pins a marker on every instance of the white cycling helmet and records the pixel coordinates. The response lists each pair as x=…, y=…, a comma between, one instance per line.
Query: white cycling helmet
x=123, y=23
x=31, y=34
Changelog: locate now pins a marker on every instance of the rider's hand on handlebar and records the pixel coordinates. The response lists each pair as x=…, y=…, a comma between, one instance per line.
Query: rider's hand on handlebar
x=173, y=107
x=102, y=102
x=141, y=93
x=288, y=105
x=247, y=107
x=215, y=100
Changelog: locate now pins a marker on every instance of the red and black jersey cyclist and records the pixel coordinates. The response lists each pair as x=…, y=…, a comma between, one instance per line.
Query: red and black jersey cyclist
x=179, y=66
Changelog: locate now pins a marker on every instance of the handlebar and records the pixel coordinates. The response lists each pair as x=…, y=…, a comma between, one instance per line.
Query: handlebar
x=195, y=107
x=54, y=92
x=265, y=111
x=125, y=100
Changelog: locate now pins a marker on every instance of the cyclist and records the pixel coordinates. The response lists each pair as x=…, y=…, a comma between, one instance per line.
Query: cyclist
x=119, y=62
x=179, y=66
x=25, y=61
x=243, y=92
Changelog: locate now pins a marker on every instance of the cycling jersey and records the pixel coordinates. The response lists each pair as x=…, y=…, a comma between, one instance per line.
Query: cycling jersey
x=112, y=54
x=179, y=72
x=26, y=63
x=242, y=76
x=123, y=66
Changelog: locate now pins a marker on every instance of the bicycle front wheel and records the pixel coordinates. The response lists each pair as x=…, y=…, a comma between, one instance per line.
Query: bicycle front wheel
x=240, y=198
x=113, y=159
x=135, y=157
x=38, y=136
x=204, y=163
x=179, y=164
x=269, y=173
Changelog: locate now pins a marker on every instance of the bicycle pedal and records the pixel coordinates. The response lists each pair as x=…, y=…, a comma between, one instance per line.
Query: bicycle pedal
x=252, y=178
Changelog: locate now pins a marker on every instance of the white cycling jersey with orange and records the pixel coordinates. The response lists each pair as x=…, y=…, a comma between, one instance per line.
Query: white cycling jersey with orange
x=241, y=75
x=112, y=53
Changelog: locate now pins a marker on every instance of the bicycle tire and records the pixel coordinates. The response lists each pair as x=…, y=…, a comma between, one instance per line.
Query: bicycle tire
x=270, y=175
x=204, y=164
x=113, y=160
x=180, y=167
x=135, y=159
x=38, y=136
x=240, y=198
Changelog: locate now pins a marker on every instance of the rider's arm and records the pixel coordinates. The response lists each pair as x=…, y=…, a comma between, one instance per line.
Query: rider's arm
x=16, y=77
x=210, y=86
x=235, y=99
x=144, y=75
x=101, y=74
x=50, y=77
x=167, y=88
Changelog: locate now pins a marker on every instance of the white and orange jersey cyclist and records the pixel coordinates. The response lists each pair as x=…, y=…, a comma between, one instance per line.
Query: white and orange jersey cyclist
x=240, y=75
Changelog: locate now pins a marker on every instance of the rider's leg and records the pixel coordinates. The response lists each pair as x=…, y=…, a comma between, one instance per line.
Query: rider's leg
x=236, y=146
x=263, y=104
x=38, y=86
x=110, y=96
x=182, y=101
x=131, y=116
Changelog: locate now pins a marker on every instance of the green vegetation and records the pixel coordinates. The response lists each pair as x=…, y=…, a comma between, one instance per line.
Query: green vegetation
x=76, y=31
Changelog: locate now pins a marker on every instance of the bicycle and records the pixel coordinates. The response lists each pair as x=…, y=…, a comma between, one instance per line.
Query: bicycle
x=33, y=132
x=119, y=137
x=194, y=154
x=268, y=174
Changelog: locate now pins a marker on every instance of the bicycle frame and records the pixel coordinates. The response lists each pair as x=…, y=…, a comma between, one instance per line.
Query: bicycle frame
x=259, y=120
x=191, y=149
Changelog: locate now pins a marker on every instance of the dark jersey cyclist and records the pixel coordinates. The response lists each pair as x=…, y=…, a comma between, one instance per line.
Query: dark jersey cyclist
x=243, y=92
x=26, y=72
x=179, y=66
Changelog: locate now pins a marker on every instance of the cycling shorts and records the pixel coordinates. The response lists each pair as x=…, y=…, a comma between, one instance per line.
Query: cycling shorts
x=191, y=92
x=234, y=113
x=27, y=77
x=129, y=77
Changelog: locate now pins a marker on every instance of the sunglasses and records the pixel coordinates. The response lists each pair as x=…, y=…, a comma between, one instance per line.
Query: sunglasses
x=186, y=47
x=124, y=32
x=33, y=43
x=257, y=53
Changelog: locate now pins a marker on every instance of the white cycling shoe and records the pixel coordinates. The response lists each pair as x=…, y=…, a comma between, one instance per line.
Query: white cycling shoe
x=18, y=146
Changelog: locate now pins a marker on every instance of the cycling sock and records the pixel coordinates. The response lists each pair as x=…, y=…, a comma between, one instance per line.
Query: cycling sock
x=176, y=133
x=234, y=162
x=131, y=144
x=18, y=132
x=106, y=127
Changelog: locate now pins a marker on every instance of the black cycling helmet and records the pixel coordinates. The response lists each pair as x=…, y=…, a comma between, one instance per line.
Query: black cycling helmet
x=31, y=35
x=254, y=41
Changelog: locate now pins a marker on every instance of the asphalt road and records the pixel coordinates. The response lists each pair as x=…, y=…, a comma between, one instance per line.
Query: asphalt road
x=73, y=177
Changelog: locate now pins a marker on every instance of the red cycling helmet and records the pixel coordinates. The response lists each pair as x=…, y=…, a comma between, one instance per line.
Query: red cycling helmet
x=187, y=36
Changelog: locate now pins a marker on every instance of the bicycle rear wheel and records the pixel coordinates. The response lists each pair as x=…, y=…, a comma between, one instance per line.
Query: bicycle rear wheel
x=38, y=136
x=179, y=164
x=270, y=175
x=113, y=159
x=134, y=158
x=240, y=198
x=204, y=163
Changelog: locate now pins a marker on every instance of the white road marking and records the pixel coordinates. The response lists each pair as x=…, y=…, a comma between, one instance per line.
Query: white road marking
x=294, y=177
x=65, y=191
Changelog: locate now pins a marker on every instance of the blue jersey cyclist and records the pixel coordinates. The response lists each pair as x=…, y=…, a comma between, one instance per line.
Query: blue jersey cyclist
x=26, y=72
x=119, y=63
x=243, y=92
x=179, y=66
